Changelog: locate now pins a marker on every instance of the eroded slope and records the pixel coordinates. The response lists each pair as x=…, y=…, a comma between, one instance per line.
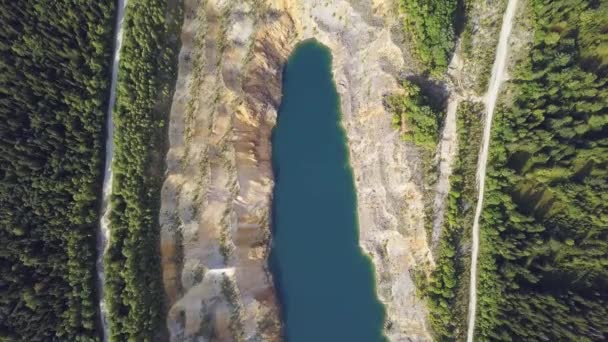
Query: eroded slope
x=217, y=194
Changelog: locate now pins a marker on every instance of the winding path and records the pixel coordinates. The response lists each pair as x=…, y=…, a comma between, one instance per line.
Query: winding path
x=498, y=75
x=104, y=221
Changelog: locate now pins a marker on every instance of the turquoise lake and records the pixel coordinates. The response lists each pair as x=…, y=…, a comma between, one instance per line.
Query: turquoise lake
x=325, y=283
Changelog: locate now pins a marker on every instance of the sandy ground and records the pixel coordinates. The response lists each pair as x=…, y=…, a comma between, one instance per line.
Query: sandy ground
x=217, y=194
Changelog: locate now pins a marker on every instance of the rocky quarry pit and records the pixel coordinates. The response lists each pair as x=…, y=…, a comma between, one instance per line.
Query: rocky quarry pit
x=216, y=199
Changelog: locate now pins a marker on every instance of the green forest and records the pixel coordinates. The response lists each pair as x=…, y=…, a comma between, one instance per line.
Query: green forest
x=54, y=79
x=447, y=290
x=415, y=117
x=429, y=27
x=543, y=263
x=544, y=230
x=145, y=81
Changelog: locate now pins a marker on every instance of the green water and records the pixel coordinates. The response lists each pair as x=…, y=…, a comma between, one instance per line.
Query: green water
x=325, y=283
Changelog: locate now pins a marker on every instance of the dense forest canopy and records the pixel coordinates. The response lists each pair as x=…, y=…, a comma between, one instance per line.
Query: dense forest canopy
x=147, y=69
x=429, y=25
x=54, y=77
x=415, y=117
x=544, y=237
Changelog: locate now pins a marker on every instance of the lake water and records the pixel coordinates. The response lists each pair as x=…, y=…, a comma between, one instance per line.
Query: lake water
x=325, y=282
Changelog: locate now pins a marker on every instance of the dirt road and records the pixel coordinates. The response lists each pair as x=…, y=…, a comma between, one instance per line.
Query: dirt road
x=498, y=75
x=104, y=221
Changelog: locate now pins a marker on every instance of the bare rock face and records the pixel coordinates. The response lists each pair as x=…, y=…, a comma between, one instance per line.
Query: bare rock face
x=216, y=199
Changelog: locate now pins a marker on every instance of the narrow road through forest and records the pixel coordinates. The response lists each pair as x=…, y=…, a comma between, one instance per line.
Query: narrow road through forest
x=104, y=221
x=498, y=75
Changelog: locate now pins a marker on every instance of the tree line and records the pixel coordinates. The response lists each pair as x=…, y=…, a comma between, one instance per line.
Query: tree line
x=54, y=79
x=429, y=27
x=544, y=230
x=145, y=81
x=415, y=116
x=447, y=290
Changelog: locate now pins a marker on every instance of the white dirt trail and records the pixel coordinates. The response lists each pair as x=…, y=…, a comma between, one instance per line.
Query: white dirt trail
x=498, y=75
x=104, y=221
x=445, y=154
